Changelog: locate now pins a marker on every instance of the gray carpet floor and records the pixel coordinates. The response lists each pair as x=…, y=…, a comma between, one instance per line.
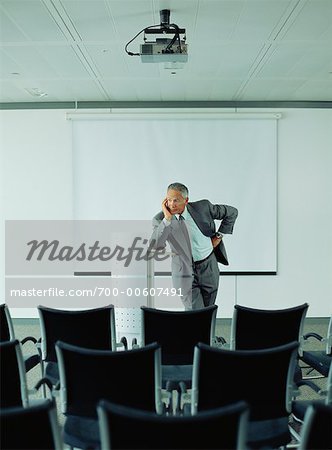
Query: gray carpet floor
x=30, y=327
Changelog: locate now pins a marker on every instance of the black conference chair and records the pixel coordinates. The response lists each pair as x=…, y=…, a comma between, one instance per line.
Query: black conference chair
x=178, y=332
x=89, y=328
x=33, y=428
x=221, y=377
x=299, y=407
x=131, y=378
x=7, y=333
x=316, y=433
x=254, y=328
x=127, y=428
x=14, y=387
x=319, y=360
x=6, y=325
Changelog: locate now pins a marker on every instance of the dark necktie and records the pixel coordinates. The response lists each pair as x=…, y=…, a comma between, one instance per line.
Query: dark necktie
x=185, y=231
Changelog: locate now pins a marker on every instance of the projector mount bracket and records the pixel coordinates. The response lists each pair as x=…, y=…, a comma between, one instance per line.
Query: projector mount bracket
x=165, y=27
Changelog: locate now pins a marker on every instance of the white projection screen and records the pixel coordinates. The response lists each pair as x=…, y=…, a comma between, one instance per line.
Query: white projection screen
x=122, y=167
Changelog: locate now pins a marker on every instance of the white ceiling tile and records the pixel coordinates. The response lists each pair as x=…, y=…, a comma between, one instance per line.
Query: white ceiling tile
x=173, y=89
x=80, y=90
x=236, y=59
x=9, y=32
x=33, y=19
x=30, y=61
x=130, y=17
x=9, y=91
x=147, y=90
x=121, y=89
x=224, y=60
x=224, y=89
x=74, y=50
x=314, y=90
x=137, y=69
x=259, y=18
x=217, y=20
x=258, y=89
x=312, y=61
x=8, y=65
x=325, y=72
x=63, y=60
x=70, y=90
x=283, y=89
x=18, y=89
x=282, y=59
x=198, y=89
x=296, y=59
x=313, y=21
x=109, y=60
x=91, y=19
x=205, y=59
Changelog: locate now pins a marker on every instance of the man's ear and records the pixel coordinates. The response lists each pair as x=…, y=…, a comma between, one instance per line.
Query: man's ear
x=187, y=200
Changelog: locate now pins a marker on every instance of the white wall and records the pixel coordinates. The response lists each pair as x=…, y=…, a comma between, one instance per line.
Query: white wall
x=36, y=171
x=304, y=218
x=37, y=183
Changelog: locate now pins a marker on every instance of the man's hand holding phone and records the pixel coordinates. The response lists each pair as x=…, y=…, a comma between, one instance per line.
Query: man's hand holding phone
x=166, y=210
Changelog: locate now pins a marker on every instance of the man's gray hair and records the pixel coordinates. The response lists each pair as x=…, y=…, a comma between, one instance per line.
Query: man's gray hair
x=180, y=188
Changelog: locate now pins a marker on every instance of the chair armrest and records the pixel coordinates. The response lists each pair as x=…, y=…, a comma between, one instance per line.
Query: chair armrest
x=43, y=381
x=167, y=399
x=314, y=335
x=219, y=341
x=31, y=360
x=29, y=339
x=184, y=399
x=123, y=343
x=309, y=384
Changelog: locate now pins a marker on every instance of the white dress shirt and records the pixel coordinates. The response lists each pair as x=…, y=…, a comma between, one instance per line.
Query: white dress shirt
x=201, y=245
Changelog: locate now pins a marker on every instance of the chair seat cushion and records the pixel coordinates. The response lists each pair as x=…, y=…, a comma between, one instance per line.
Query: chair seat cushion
x=268, y=433
x=81, y=432
x=319, y=360
x=299, y=408
x=52, y=372
x=177, y=373
x=30, y=361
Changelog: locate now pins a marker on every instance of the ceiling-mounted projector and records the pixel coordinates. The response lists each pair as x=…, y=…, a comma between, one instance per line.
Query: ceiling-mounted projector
x=159, y=49
x=163, y=50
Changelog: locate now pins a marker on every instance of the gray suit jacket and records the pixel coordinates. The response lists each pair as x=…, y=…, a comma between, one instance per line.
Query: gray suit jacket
x=204, y=213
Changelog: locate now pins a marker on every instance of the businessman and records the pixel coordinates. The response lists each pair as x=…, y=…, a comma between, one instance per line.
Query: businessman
x=196, y=247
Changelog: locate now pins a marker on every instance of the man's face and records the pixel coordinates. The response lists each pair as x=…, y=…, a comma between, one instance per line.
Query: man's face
x=175, y=202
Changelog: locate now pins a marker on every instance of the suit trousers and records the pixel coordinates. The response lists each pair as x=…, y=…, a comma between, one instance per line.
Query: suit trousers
x=205, y=282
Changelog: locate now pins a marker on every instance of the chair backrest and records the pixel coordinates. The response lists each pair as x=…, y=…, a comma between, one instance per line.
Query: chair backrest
x=178, y=332
x=6, y=324
x=91, y=328
x=127, y=428
x=130, y=378
x=329, y=338
x=262, y=378
x=316, y=432
x=34, y=427
x=328, y=398
x=14, y=391
x=265, y=328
